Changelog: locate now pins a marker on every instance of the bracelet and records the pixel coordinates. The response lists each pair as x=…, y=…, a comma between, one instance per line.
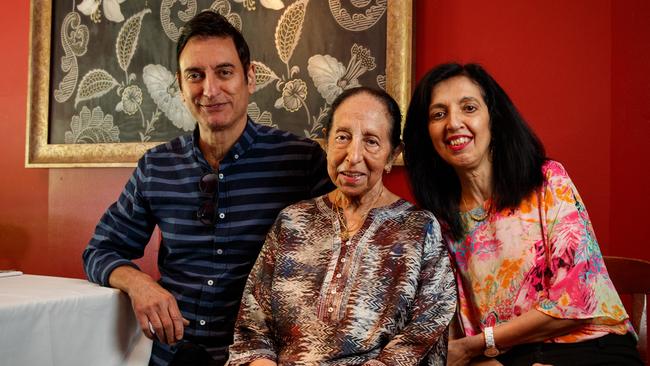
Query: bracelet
x=491, y=349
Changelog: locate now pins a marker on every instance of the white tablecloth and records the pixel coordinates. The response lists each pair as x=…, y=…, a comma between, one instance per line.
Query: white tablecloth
x=64, y=321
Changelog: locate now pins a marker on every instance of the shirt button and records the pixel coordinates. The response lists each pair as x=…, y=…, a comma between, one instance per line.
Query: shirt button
x=220, y=176
x=334, y=291
x=236, y=156
x=222, y=215
x=329, y=310
x=342, y=260
x=210, y=282
x=202, y=322
x=338, y=275
x=219, y=251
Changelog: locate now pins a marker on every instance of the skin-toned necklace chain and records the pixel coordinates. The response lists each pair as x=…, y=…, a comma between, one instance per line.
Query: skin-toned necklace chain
x=346, y=231
x=477, y=218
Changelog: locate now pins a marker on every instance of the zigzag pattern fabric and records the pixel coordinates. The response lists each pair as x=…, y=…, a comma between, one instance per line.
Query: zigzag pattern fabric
x=386, y=296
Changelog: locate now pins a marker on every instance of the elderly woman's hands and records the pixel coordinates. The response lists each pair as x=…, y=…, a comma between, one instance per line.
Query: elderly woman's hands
x=461, y=351
x=486, y=362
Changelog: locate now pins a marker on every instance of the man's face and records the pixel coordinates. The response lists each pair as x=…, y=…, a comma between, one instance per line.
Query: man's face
x=213, y=83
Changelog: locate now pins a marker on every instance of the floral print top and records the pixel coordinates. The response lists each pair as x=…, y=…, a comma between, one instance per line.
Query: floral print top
x=505, y=267
x=383, y=297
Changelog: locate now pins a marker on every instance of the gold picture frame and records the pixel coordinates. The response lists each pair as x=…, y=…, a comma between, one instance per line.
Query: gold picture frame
x=42, y=154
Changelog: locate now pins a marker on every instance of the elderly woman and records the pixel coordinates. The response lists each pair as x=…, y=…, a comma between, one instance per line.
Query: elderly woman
x=355, y=277
x=531, y=280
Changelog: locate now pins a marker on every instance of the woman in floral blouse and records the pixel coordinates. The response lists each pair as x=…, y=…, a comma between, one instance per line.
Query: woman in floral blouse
x=358, y=276
x=531, y=280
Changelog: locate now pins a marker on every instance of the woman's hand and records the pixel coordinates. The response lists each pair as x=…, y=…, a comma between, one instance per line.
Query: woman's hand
x=486, y=362
x=461, y=351
x=263, y=362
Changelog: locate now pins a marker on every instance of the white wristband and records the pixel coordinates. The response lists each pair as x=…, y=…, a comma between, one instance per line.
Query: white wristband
x=491, y=349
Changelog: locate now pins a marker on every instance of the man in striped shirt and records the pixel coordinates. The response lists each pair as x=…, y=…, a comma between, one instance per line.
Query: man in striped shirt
x=213, y=194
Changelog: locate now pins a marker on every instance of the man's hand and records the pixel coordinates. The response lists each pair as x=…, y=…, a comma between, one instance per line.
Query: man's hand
x=155, y=308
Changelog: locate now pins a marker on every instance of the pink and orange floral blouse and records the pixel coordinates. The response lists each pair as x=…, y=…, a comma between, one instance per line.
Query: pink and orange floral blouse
x=505, y=267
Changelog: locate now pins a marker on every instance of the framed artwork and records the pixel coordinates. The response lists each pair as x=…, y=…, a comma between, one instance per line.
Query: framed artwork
x=102, y=87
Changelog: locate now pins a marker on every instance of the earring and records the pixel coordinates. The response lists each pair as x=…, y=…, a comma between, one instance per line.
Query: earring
x=388, y=168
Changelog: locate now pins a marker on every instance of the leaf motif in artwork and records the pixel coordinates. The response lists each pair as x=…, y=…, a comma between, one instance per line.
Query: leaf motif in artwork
x=263, y=118
x=381, y=81
x=263, y=75
x=289, y=29
x=92, y=128
x=127, y=39
x=94, y=84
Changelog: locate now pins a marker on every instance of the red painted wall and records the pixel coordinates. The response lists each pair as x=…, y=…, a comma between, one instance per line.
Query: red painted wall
x=577, y=70
x=553, y=59
x=630, y=129
x=23, y=193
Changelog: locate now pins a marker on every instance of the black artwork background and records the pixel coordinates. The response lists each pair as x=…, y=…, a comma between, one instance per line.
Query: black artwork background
x=320, y=35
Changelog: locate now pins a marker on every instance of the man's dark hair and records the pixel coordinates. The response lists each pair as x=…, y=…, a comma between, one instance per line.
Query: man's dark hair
x=211, y=24
x=517, y=154
x=394, y=114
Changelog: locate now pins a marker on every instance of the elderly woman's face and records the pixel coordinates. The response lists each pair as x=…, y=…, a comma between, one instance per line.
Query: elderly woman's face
x=459, y=124
x=358, y=145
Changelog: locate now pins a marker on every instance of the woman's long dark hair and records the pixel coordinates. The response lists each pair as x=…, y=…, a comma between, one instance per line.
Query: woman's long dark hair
x=517, y=154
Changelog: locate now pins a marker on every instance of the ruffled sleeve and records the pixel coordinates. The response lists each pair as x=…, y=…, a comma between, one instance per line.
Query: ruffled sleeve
x=576, y=282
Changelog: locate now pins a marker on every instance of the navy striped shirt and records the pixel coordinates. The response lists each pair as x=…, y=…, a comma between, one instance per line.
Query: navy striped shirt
x=205, y=267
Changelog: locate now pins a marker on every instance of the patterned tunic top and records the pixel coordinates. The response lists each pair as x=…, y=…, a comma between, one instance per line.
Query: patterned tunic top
x=385, y=296
x=505, y=268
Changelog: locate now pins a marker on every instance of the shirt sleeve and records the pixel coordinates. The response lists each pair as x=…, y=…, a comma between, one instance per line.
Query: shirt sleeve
x=320, y=180
x=577, y=283
x=121, y=234
x=425, y=335
x=254, y=330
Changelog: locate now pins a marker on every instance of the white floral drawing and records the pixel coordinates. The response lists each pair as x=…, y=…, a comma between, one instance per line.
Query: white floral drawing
x=317, y=125
x=74, y=40
x=131, y=100
x=92, y=128
x=163, y=89
x=111, y=9
x=293, y=96
x=96, y=83
x=262, y=118
x=328, y=75
x=171, y=30
x=358, y=21
x=269, y=4
x=223, y=7
x=332, y=78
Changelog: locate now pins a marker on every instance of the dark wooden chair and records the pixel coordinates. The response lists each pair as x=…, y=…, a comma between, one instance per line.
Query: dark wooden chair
x=632, y=277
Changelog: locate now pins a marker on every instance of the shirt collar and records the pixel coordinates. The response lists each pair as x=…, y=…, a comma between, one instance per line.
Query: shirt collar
x=238, y=150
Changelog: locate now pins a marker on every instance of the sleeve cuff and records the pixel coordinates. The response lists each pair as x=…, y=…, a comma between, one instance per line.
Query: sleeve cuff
x=109, y=269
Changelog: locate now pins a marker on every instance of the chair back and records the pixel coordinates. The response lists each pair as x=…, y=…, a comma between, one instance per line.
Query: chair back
x=631, y=276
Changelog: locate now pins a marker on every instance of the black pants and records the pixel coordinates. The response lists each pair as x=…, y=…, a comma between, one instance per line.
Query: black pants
x=609, y=350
